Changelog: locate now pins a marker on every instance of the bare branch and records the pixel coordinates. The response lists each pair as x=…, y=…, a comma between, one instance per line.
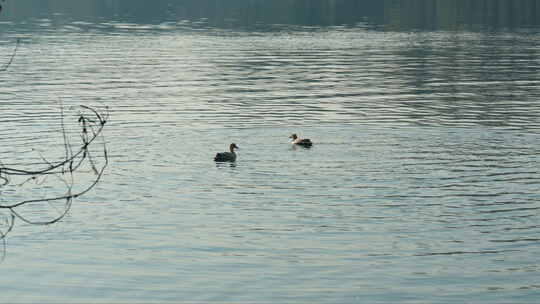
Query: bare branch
x=6, y=66
x=72, y=162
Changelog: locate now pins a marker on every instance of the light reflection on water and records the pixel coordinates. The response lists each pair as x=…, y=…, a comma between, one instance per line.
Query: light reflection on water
x=422, y=184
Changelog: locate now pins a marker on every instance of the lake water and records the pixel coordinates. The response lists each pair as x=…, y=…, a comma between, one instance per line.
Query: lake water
x=422, y=185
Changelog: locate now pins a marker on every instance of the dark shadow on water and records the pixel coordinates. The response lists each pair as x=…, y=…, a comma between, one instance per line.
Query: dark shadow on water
x=225, y=164
x=300, y=148
x=393, y=15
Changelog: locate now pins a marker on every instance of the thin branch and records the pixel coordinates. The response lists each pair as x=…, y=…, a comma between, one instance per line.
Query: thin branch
x=71, y=163
x=6, y=66
x=53, y=166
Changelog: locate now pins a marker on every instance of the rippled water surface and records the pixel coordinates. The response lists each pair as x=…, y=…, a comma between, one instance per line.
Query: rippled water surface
x=422, y=186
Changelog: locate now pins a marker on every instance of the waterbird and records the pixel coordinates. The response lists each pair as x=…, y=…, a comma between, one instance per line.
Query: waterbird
x=227, y=156
x=304, y=142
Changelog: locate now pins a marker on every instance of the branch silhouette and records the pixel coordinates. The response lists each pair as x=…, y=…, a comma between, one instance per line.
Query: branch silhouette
x=10, y=61
x=76, y=159
x=6, y=66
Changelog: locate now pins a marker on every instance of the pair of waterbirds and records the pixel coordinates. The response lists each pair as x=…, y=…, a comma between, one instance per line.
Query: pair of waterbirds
x=231, y=155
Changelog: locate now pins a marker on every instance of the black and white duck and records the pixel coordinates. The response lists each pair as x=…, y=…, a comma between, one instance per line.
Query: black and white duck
x=304, y=142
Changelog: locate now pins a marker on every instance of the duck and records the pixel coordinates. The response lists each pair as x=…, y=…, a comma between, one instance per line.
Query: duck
x=304, y=142
x=227, y=156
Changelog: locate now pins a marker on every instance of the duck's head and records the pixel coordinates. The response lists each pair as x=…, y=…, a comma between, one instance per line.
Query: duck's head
x=293, y=136
x=233, y=146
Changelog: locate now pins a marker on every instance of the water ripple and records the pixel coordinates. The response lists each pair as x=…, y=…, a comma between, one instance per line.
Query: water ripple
x=425, y=156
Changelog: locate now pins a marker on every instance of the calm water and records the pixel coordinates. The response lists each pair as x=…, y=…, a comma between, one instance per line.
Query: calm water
x=422, y=187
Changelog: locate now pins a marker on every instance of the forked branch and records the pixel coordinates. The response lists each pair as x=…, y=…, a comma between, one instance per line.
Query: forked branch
x=91, y=123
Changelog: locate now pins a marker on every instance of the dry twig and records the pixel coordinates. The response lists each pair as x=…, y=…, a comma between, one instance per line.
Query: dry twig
x=64, y=170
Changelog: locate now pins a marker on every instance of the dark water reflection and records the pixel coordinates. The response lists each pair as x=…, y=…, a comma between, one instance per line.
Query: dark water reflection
x=388, y=14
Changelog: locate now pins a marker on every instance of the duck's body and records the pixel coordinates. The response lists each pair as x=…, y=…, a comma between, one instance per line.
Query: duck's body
x=227, y=156
x=304, y=142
